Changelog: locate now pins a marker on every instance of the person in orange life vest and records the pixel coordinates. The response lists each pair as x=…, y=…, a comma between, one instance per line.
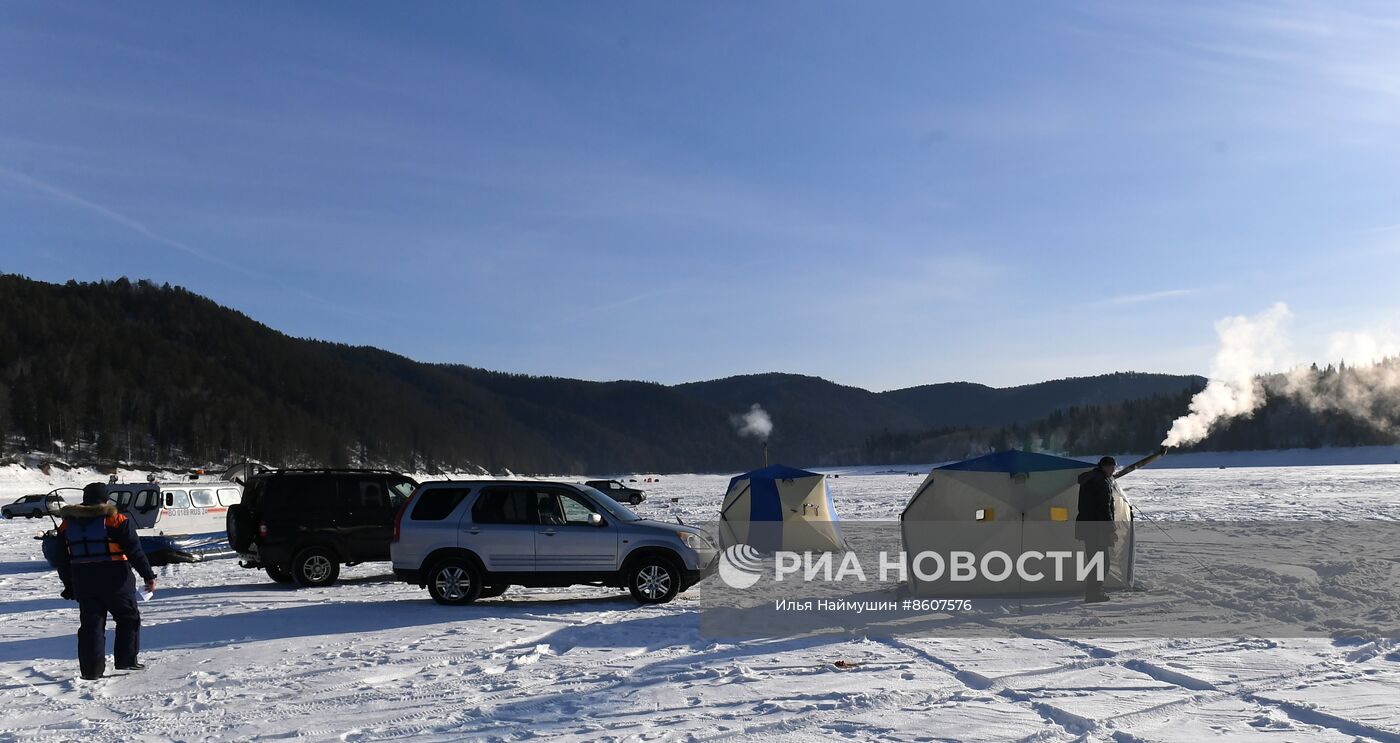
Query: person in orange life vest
x=94, y=551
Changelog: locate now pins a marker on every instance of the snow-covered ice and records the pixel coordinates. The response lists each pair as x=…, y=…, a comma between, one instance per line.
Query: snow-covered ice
x=234, y=656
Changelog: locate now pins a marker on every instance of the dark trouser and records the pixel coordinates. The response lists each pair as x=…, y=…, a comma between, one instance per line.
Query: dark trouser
x=1093, y=585
x=102, y=589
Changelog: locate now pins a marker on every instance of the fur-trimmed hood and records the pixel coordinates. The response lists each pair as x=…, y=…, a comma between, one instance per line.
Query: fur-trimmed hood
x=101, y=510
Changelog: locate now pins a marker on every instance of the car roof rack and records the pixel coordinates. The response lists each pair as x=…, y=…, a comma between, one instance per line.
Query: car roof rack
x=329, y=470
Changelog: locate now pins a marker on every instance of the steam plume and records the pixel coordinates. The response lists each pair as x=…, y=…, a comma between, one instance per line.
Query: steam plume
x=1249, y=347
x=754, y=423
x=1244, y=374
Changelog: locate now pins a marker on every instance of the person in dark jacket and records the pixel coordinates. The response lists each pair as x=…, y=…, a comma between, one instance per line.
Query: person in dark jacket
x=1094, y=524
x=94, y=551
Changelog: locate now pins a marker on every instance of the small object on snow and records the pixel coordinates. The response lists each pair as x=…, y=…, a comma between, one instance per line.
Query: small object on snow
x=845, y=664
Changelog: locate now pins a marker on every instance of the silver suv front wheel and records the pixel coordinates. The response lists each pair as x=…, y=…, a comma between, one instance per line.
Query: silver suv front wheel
x=654, y=580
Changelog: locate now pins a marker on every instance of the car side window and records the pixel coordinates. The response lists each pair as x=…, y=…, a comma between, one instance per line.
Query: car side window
x=370, y=495
x=229, y=496
x=317, y=495
x=302, y=494
x=177, y=499
x=548, y=508
x=399, y=492
x=438, y=503
x=576, y=511
x=615, y=485
x=502, y=506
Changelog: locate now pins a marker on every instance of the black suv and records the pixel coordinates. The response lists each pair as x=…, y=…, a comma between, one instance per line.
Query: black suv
x=617, y=491
x=301, y=525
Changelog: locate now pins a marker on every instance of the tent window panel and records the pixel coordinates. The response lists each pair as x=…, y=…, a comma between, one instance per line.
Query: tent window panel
x=986, y=514
x=1059, y=513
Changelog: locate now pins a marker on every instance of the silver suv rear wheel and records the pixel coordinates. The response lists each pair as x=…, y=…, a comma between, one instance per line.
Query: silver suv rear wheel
x=454, y=582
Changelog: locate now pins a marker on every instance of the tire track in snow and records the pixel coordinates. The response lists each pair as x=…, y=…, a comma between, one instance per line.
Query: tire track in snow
x=443, y=687
x=1067, y=727
x=1244, y=692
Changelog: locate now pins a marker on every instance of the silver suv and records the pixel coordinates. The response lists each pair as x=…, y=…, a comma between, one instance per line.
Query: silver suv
x=33, y=506
x=474, y=539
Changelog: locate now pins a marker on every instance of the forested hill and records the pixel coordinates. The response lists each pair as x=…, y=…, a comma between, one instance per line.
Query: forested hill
x=134, y=371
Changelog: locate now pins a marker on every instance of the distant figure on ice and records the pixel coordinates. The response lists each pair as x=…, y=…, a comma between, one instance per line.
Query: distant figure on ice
x=94, y=551
x=1094, y=525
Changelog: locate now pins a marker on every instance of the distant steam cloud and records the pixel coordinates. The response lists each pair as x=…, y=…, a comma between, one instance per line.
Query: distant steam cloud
x=1369, y=393
x=755, y=423
x=1245, y=373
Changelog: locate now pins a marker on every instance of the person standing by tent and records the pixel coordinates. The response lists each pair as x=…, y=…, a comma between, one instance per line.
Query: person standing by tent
x=94, y=551
x=1094, y=524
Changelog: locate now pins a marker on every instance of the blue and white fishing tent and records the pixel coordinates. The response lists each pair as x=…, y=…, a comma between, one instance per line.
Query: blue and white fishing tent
x=1011, y=501
x=780, y=508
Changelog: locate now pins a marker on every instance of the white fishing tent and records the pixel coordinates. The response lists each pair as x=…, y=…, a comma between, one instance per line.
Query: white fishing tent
x=1013, y=502
x=780, y=508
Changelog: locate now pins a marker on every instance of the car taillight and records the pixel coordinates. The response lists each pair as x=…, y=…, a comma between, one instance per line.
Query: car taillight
x=262, y=529
x=398, y=521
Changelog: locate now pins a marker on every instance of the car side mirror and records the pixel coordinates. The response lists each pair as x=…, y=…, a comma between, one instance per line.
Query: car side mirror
x=595, y=519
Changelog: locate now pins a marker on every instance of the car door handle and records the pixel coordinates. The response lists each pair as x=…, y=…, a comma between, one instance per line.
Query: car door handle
x=548, y=533
x=472, y=530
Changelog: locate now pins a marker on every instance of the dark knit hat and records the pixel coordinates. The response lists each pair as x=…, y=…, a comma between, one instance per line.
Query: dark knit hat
x=1110, y=461
x=94, y=494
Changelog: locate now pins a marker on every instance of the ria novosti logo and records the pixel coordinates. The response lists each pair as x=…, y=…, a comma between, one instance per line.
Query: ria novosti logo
x=740, y=566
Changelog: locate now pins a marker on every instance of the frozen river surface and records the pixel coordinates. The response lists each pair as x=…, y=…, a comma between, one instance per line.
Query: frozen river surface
x=234, y=656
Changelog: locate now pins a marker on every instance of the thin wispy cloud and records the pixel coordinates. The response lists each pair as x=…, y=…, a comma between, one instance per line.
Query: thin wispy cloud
x=1146, y=297
x=607, y=307
x=116, y=217
x=140, y=228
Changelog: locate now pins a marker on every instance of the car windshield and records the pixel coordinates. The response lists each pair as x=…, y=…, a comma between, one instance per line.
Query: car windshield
x=623, y=513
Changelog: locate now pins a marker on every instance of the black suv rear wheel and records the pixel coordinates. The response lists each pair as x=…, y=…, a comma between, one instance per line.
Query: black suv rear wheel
x=454, y=582
x=314, y=567
x=653, y=579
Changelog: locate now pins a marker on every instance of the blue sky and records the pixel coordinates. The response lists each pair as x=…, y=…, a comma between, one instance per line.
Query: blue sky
x=883, y=194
